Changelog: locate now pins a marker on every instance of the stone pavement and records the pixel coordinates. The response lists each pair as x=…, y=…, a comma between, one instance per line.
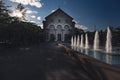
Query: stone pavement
x=48, y=61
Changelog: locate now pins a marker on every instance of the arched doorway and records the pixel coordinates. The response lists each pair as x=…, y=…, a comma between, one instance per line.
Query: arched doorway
x=52, y=32
x=66, y=37
x=66, y=27
x=52, y=37
x=59, y=37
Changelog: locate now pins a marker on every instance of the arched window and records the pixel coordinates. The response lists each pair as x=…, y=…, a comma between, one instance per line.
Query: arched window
x=59, y=27
x=66, y=27
x=52, y=27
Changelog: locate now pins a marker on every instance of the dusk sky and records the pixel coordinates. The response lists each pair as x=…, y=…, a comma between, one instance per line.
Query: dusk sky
x=87, y=13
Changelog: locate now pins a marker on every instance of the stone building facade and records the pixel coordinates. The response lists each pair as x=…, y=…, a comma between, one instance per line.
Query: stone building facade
x=58, y=26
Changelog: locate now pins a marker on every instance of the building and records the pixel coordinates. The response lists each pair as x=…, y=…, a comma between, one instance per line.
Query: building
x=58, y=26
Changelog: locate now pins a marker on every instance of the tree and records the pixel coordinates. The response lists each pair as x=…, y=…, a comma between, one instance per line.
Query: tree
x=4, y=16
x=14, y=32
x=22, y=11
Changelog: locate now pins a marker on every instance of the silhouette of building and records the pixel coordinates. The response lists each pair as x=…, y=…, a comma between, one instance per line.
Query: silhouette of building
x=58, y=26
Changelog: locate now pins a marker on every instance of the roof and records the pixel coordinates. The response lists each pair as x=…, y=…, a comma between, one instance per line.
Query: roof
x=58, y=11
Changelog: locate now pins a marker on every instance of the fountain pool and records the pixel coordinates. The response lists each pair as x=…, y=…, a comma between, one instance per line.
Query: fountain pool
x=113, y=58
x=105, y=54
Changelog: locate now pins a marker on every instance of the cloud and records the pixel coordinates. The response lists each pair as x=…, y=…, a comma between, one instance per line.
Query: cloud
x=32, y=21
x=17, y=13
x=39, y=18
x=81, y=27
x=30, y=12
x=53, y=11
x=75, y=21
x=33, y=16
x=41, y=26
x=35, y=3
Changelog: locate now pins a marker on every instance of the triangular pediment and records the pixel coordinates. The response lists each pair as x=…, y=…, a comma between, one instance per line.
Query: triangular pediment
x=59, y=12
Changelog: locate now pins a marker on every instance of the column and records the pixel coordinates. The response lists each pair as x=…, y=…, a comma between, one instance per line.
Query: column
x=63, y=35
x=56, y=36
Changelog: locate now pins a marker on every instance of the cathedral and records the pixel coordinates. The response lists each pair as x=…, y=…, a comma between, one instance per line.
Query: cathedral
x=58, y=26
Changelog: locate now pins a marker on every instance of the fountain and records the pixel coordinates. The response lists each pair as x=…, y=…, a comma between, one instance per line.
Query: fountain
x=96, y=41
x=108, y=59
x=86, y=51
x=77, y=44
x=86, y=41
x=81, y=44
x=108, y=41
x=78, y=41
x=72, y=41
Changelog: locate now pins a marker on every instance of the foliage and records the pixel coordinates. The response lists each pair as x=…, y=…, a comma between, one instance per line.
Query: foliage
x=14, y=33
x=22, y=10
x=4, y=16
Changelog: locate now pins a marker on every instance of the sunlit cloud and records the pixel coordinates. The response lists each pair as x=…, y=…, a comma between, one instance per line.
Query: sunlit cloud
x=81, y=27
x=17, y=13
x=41, y=26
x=32, y=21
x=28, y=14
x=39, y=18
x=35, y=3
x=75, y=21
x=53, y=11
x=31, y=12
x=33, y=16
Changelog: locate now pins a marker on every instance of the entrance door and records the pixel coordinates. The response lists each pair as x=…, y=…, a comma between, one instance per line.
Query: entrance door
x=59, y=37
x=66, y=37
x=52, y=37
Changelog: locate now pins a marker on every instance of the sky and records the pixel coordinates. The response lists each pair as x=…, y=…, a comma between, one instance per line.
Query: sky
x=86, y=13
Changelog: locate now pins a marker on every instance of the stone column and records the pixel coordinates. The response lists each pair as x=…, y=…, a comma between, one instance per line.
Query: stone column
x=63, y=36
x=56, y=36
